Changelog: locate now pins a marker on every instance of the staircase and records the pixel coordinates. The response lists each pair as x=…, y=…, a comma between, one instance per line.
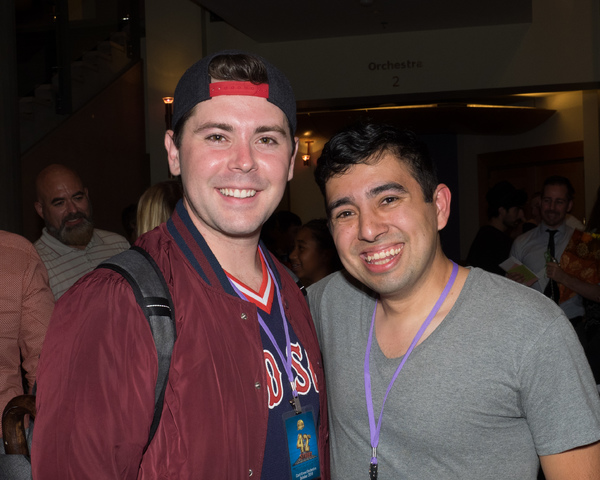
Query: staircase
x=92, y=73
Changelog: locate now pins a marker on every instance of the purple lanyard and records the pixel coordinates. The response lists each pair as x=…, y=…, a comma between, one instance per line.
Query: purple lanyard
x=287, y=362
x=375, y=430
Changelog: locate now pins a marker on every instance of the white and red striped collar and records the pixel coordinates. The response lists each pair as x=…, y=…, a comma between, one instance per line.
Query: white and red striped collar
x=263, y=299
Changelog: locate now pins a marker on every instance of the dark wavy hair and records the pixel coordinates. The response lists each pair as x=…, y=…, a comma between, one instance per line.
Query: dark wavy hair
x=366, y=143
x=563, y=181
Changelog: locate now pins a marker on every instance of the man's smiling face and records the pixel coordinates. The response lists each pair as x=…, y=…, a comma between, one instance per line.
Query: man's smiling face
x=64, y=205
x=555, y=205
x=235, y=159
x=385, y=232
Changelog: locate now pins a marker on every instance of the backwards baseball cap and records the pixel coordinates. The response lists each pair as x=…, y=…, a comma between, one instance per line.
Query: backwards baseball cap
x=195, y=86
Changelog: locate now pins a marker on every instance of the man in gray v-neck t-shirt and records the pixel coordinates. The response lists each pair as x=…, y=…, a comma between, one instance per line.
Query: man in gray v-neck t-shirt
x=497, y=381
x=493, y=387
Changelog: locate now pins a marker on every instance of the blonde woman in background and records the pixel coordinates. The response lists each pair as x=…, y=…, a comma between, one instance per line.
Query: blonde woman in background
x=157, y=204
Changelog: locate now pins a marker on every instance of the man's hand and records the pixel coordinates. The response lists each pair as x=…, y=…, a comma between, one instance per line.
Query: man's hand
x=554, y=272
x=590, y=291
x=517, y=277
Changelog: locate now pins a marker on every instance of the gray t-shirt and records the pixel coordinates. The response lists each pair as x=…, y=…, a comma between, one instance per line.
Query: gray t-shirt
x=500, y=381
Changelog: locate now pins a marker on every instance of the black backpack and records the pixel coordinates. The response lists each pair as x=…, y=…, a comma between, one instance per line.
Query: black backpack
x=138, y=267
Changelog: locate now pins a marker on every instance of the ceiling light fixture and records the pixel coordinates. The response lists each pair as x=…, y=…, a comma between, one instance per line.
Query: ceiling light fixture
x=168, y=101
x=306, y=156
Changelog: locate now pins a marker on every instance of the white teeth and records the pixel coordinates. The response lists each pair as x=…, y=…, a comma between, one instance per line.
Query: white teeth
x=383, y=256
x=237, y=193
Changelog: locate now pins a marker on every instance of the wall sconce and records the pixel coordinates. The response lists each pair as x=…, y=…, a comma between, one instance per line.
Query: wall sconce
x=168, y=111
x=306, y=157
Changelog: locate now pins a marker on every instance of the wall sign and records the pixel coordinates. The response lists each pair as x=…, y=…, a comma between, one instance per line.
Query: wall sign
x=390, y=66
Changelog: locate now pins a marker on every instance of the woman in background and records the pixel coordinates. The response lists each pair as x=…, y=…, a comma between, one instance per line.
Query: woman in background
x=157, y=204
x=314, y=255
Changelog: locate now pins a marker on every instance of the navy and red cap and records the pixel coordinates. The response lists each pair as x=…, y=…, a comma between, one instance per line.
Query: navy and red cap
x=195, y=87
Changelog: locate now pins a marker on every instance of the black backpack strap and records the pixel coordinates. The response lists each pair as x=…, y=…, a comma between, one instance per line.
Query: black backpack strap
x=138, y=267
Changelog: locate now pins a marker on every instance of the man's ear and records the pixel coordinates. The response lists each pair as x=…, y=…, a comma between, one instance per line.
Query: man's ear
x=442, y=198
x=570, y=206
x=172, y=154
x=293, y=159
x=39, y=209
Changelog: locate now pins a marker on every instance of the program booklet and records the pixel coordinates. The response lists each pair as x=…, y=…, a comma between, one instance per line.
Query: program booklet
x=512, y=265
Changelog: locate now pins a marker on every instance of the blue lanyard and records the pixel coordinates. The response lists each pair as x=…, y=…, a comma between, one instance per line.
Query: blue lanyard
x=368, y=393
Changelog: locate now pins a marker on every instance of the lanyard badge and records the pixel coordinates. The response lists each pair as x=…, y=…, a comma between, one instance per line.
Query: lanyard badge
x=299, y=424
x=375, y=429
x=302, y=442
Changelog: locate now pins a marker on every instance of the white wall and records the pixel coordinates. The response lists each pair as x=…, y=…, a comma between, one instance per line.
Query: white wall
x=540, y=53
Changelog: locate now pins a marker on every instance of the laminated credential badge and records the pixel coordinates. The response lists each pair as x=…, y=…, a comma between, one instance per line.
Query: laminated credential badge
x=302, y=445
